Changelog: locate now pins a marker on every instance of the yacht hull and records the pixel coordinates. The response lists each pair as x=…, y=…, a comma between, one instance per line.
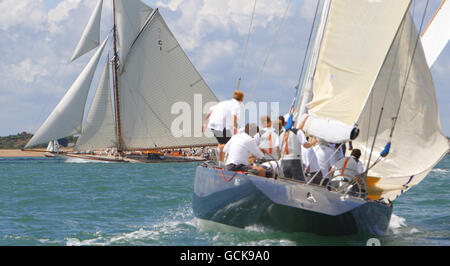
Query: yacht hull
x=242, y=200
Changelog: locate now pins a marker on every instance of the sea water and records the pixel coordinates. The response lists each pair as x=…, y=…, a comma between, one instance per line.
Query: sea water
x=48, y=201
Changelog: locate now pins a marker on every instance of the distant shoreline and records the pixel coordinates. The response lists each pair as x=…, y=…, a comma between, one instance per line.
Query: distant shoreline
x=10, y=153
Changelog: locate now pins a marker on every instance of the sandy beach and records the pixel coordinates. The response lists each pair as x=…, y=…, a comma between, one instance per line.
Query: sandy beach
x=19, y=153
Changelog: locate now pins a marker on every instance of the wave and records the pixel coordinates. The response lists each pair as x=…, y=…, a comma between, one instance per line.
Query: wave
x=79, y=160
x=398, y=225
x=440, y=171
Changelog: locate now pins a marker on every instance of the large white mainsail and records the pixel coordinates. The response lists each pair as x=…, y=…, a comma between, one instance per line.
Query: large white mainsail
x=131, y=17
x=437, y=34
x=99, y=129
x=156, y=74
x=91, y=35
x=417, y=142
x=67, y=117
x=355, y=42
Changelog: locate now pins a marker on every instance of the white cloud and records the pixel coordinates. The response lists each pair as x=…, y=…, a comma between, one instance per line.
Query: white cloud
x=202, y=17
x=26, y=13
x=27, y=71
x=60, y=13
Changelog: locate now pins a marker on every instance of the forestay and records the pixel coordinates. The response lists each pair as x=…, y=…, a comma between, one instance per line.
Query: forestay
x=66, y=118
x=99, y=129
x=91, y=35
x=418, y=142
x=156, y=74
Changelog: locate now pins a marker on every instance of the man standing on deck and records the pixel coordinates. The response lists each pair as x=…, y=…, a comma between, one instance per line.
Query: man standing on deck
x=222, y=120
x=269, y=139
x=292, y=141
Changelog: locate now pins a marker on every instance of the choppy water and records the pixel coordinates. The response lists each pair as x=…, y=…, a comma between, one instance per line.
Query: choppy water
x=56, y=202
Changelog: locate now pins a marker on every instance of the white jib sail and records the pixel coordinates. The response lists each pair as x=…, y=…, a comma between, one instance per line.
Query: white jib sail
x=355, y=42
x=66, y=118
x=417, y=142
x=131, y=17
x=156, y=75
x=91, y=35
x=99, y=128
x=437, y=34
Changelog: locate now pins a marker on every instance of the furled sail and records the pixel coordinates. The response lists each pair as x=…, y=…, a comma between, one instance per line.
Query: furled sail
x=417, y=142
x=157, y=73
x=91, y=35
x=437, y=34
x=355, y=42
x=66, y=118
x=131, y=17
x=99, y=129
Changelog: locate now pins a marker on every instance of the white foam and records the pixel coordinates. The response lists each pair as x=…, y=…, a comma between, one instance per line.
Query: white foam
x=397, y=222
x=440, y=171
x=79, y=160
x=398, y=225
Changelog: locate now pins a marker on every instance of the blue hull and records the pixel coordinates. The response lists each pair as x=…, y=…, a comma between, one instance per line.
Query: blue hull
x=241, y=200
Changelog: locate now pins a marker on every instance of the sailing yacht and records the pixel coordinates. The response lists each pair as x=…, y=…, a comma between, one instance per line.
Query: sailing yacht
x=148, y=71
x=52, y=149
x=367, y=82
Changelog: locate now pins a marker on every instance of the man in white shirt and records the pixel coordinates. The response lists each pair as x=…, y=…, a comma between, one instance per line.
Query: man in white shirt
x=239, y=149
x=269, y=140
x=350, y=165
x=222, y=120
x=350, y=169
x=311, y=165
x=326, y=158
x=292, y=141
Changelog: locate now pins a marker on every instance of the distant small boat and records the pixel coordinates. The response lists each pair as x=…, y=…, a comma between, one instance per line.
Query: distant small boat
x=150, y=72
x=53, y=148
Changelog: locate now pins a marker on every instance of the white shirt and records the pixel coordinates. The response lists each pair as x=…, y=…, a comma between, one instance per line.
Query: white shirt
x=222, y=114
x=310, y=160
x=239, y=148
x=325, y=158
x=295, y=144
x=352, y=168
x=269, y=139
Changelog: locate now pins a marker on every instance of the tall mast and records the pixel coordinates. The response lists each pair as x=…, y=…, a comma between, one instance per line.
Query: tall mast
x=306, y=94
x=116, y=85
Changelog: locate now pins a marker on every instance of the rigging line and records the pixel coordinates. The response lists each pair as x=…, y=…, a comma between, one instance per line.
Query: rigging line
x=246, y=46
x=305, y=56
x=270, y=50
x=432, y=19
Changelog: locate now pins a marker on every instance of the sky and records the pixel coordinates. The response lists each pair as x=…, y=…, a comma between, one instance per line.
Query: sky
x=38, y=37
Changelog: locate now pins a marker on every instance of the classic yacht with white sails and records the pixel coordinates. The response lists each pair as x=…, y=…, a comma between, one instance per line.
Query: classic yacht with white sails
x=367, y=72
x=149, y=73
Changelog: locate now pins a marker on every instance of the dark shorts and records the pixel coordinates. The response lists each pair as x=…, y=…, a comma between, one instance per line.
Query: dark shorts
x=292, y=169
x=222, y=136
x=317, y=177
x=240, y=167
